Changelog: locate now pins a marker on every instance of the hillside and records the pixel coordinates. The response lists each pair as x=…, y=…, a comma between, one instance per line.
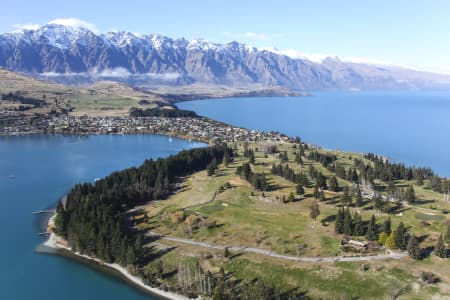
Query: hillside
x=76, y=54
x=109, y=97
x=100, y=98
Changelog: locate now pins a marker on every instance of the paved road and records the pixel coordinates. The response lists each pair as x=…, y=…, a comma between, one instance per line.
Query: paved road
x=390, y=255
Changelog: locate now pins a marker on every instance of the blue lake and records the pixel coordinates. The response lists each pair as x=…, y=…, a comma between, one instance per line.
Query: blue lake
x=411, y=127
x=45, y=168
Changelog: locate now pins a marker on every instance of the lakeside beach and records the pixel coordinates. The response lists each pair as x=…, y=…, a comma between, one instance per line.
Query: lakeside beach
x=57, y=243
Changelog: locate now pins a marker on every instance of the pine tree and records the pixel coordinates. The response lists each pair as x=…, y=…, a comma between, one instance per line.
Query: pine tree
x=299, y=189
x=226, y=158
x=410, y=195
x=387, y=226
x=440, y=249
x=413, y=248
x=252, y=157
x=316, y=193
x=347, y=222
x=333, y=184
x=400, y=236
x=60, y=220
x=322, y=197
x=339, y=222
x=314, y=210
x=371, y=233
x=211, y=168
x=346, y=199
x=358, y=228
x=377, y=202
x=358, y=198
x=226, y=252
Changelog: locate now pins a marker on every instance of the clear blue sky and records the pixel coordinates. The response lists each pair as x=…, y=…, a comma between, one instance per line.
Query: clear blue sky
x=411, y=32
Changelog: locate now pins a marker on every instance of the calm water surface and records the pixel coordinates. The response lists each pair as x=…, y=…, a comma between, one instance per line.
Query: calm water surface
x=412, y=127
x=45, y=168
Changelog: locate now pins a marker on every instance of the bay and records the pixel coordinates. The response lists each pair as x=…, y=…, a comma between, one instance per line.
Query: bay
x=35, y=171
x=407, y=126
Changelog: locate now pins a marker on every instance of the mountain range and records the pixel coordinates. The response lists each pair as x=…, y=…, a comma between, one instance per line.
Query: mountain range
x=75, y=54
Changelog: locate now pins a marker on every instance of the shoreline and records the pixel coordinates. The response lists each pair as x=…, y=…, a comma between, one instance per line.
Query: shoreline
x=56, y=243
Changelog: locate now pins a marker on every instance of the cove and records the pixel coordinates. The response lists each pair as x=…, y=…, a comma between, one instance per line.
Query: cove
x=35, y=171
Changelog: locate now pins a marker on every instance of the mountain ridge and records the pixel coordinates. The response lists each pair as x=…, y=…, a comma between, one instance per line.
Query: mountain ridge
x=73, y=54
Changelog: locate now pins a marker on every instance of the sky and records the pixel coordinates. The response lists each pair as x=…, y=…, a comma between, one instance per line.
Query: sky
x=411, y=33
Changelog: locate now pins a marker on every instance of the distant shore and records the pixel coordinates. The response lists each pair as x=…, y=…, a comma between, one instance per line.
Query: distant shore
x=57, y=243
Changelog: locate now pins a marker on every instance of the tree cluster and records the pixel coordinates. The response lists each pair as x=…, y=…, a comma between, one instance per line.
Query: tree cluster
x=258, y=181
x=93, y=217
x=163, y=113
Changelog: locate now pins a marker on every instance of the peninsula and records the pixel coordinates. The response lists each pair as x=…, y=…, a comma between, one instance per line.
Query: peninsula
x=255, y=215
x=270, y=216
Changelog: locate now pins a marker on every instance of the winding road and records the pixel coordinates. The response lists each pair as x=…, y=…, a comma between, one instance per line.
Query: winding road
x=389, y=255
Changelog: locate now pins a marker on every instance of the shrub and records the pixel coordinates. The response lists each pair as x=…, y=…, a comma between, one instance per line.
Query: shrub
x=177, y=217
x=429, y=277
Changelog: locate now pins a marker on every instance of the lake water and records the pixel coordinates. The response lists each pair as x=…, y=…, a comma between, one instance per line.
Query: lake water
x=411, y=127
x=45, y=168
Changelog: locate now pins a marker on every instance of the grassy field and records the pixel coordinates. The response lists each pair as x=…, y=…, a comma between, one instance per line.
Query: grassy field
x=244, y=216
x=102, y=98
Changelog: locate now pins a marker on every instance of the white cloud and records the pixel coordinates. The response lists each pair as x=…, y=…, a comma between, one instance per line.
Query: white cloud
x=164, y=76
x=73, y=22
x=118, y=73
x=28, y=26
x=115, y=73
x=54, y=74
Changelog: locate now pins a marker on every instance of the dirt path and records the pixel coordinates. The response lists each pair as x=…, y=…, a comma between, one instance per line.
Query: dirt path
x=389, y=255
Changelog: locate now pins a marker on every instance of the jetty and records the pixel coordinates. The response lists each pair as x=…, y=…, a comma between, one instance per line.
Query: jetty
x=44, y=211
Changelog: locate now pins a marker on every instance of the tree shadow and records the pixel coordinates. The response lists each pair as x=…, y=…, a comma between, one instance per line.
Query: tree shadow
x=422, y=202
x=235, y=255
x=422, y=238
x=328, y=219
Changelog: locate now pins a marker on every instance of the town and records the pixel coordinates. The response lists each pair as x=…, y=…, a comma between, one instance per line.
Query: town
x=199, y=129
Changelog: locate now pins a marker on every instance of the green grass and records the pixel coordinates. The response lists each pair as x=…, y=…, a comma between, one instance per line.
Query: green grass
x=428, y=217
x=343, y=280
x=247, y=218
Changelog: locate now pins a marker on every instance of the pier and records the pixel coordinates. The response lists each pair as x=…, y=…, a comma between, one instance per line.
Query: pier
x=43, y=212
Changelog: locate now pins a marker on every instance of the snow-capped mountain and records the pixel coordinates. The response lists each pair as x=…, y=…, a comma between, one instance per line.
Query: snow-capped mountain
x=63, y=52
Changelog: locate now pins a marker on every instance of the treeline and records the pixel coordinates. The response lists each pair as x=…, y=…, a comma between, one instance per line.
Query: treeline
x=92, y=219
x=289, y=174
x=324, y=159
x=354, y=225
x=10, y=97
x=387, y=171
x=164, y=113
x=258, y=181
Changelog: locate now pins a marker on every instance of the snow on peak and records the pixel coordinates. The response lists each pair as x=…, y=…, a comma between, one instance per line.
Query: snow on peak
x=201, y=44
x=122, y=38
